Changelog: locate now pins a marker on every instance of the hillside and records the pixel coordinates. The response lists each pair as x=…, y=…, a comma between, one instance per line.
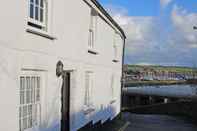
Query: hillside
x=161, y=68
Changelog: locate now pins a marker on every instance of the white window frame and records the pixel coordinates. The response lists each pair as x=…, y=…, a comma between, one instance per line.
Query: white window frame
x=115, y=47
x=88, y=99
x=91, y=39
x=115, y=51
x=43, y=24
x=92, y=31
x=26, y=117
x=113, y=88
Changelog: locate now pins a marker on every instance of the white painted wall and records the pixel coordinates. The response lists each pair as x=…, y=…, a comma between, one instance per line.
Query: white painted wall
x=69, y=23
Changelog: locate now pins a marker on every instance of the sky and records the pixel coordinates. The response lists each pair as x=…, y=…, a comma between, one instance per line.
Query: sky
x=159, y=32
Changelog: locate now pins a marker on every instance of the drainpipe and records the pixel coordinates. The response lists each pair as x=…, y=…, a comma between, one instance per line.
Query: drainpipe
x=122, y=78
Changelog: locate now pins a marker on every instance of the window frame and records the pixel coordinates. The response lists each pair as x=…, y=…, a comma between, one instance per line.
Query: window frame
x=43, y=32
x=42, y=25
x=34, y=103
x=89, y=84
x=91, y=39
x=115, y=48
x=92, y=31
x=112, y=88
x=89, y=106
x=115, y=51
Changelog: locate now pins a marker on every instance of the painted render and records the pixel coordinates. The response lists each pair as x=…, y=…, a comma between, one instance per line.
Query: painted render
x=23, y=52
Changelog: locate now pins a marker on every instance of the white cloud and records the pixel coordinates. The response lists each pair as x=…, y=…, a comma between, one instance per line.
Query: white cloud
x=119, y=13
x=165, y=3
x=144, y=64
x=137, y=29
x=150, y=41
x=140, y=33
x=184, y=22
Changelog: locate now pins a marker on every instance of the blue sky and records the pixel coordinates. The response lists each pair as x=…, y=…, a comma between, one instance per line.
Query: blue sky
x=158, y=31
x=148, y=7
x=136, y=7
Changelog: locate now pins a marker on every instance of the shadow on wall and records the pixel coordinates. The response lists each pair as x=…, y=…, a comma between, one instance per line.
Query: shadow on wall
x=99, y=117
x=85, y=122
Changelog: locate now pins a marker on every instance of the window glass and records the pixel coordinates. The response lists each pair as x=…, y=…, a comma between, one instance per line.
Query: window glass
x=93, y=28
x=41, y=15
x=41, y=3
x=36, y=13
x=37, y=2
x=91, y=39
x=88, y=89
x=115, y=51
x=31, y=11
x=115, y=46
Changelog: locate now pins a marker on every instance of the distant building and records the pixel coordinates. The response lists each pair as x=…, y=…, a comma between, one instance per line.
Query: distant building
x=149, y=73
x=61, y=65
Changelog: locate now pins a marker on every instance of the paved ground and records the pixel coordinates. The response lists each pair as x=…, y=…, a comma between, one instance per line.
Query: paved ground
x=157, y=123
x=134, y=122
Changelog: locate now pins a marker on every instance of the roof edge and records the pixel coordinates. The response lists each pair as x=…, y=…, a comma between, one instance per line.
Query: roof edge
x=100, y=7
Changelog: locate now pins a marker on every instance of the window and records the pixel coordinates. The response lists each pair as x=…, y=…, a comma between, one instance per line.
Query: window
x=115, y=52
x=91, y=39
x=115, y=47
x=92, y=30
x=88, y=89
x=38, y=14
x=30, y=107
x=112, y=87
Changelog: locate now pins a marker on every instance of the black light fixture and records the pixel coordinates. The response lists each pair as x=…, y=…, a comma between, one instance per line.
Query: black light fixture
x=195, y=27
x=59, y=68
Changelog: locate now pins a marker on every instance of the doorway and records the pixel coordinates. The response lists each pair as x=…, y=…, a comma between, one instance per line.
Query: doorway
x=65, y=102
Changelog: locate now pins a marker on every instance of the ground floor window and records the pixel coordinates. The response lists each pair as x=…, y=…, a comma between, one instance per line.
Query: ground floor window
x=112, y=87
x=88, y=89
x=30, y=106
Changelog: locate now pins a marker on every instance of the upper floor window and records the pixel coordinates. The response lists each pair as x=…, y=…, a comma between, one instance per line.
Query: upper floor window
x=115, y=47
x=38, y=14
x=115, y=52
x=92, y=29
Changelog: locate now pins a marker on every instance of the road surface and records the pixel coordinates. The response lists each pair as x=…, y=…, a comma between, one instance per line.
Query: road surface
x=137, y=122
x=157, y=123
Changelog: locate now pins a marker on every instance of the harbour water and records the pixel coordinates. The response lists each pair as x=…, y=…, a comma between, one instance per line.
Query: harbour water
x=177, y=91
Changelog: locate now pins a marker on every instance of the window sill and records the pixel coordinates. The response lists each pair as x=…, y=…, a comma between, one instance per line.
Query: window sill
x=88, y=110
x=92, y=51
x=40, y=33
x=115, y=61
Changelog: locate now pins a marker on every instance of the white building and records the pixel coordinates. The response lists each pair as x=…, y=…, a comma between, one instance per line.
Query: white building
x=37, y=36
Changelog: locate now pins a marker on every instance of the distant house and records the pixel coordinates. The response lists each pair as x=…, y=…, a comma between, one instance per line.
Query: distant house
x=60, y=65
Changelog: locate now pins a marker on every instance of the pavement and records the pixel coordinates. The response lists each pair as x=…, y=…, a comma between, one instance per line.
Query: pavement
x=138, y=122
